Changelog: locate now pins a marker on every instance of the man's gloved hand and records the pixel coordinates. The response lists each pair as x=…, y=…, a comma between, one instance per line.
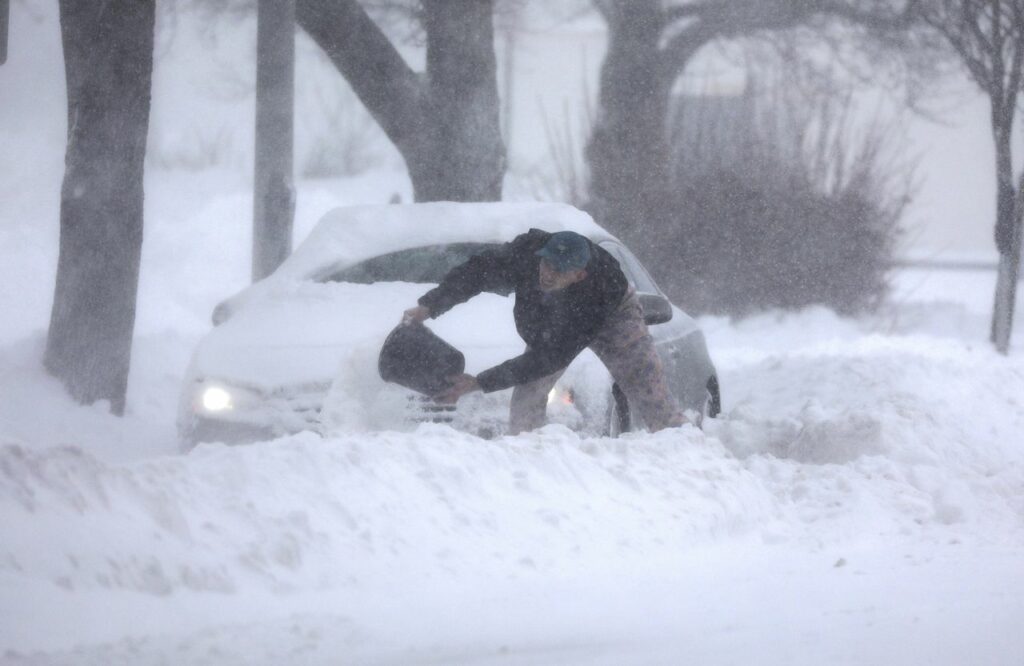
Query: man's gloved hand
x=461, y=385
x=415, y=315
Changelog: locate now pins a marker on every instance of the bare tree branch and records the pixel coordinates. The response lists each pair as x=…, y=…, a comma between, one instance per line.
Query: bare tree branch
x=387, y=86
x=693, y=25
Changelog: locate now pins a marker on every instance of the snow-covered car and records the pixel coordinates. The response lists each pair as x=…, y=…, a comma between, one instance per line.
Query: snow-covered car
x=298, y=350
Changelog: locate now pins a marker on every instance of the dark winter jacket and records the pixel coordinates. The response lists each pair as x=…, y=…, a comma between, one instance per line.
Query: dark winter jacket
x=556, y=326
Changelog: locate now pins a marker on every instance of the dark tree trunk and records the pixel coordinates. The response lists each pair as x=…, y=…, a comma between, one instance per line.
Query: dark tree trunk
x=5, y=16
x=108, y=59
x=1002, y=129
x=628, y=150
x=1007, y=233
x=1006, y=292
x=446, y=125
x=389, y=89
x=273, y=189
x=462, y=157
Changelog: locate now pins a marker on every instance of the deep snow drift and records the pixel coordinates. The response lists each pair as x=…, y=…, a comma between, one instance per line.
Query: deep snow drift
x=860, y=501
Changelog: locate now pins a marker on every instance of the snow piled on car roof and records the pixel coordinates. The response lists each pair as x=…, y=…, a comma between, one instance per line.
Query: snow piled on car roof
x=347, y=235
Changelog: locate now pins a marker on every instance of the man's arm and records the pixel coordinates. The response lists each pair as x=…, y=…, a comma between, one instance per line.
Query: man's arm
x=490, y=270
x=535, y=362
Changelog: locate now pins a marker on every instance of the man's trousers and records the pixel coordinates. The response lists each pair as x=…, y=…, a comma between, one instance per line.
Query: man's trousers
x=626, y=348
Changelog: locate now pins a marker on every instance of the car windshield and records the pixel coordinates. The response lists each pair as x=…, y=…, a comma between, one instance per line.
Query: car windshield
x=426, y=265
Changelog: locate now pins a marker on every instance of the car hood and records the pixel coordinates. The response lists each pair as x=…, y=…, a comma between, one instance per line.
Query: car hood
x=304, y=332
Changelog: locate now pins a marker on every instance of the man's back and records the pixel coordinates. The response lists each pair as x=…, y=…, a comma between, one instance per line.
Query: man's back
x=556, y=326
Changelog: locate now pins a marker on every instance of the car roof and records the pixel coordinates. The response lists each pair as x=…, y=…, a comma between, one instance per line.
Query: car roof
x=345, y=236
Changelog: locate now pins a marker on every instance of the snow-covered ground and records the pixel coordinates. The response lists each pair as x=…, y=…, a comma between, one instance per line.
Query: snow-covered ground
x=860, y=501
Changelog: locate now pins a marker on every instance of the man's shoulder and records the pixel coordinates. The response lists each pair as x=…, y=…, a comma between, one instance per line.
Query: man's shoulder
x=534, y=234
x=607, y=272
x=534, y=238
x=604, y=260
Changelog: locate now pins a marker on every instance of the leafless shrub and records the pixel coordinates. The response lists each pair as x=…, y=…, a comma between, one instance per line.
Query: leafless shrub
x=779, y=201
x=340, y=136
x=563, y=176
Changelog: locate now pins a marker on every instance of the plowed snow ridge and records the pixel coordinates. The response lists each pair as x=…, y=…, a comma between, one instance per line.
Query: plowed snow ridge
x=876, y=438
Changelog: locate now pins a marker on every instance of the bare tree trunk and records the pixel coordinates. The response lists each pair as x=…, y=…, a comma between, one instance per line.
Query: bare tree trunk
x=1006, y=296
x=1007, y=236
x=463, y=157
x=1007, y=278
x=628, y=148
x=446, y=125
x=274, y=192
x=5, y=18
x=108, y=60
x=508, y=85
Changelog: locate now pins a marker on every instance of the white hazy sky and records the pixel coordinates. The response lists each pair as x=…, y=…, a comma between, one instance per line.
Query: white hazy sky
x=953, y=211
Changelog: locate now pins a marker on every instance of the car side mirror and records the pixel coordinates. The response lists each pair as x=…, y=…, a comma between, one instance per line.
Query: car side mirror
x=656, y=308
x=221, y=313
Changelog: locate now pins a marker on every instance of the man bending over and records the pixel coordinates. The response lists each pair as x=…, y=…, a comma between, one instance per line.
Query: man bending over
x=570, y=295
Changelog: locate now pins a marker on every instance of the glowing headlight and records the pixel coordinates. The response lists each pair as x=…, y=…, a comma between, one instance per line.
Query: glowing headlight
x=216, y=399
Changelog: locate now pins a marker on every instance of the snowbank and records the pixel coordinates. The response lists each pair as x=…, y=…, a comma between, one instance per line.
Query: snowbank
x=860, y=500
x=879, y=438
x=843, y=491
x=306, y=512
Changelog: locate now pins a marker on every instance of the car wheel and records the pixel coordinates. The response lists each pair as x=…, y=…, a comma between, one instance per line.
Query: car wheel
x=712, y=405
x=620, y=420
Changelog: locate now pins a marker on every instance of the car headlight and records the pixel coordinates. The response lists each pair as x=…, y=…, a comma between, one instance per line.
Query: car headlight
x=216, y=399
x=219, y=398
